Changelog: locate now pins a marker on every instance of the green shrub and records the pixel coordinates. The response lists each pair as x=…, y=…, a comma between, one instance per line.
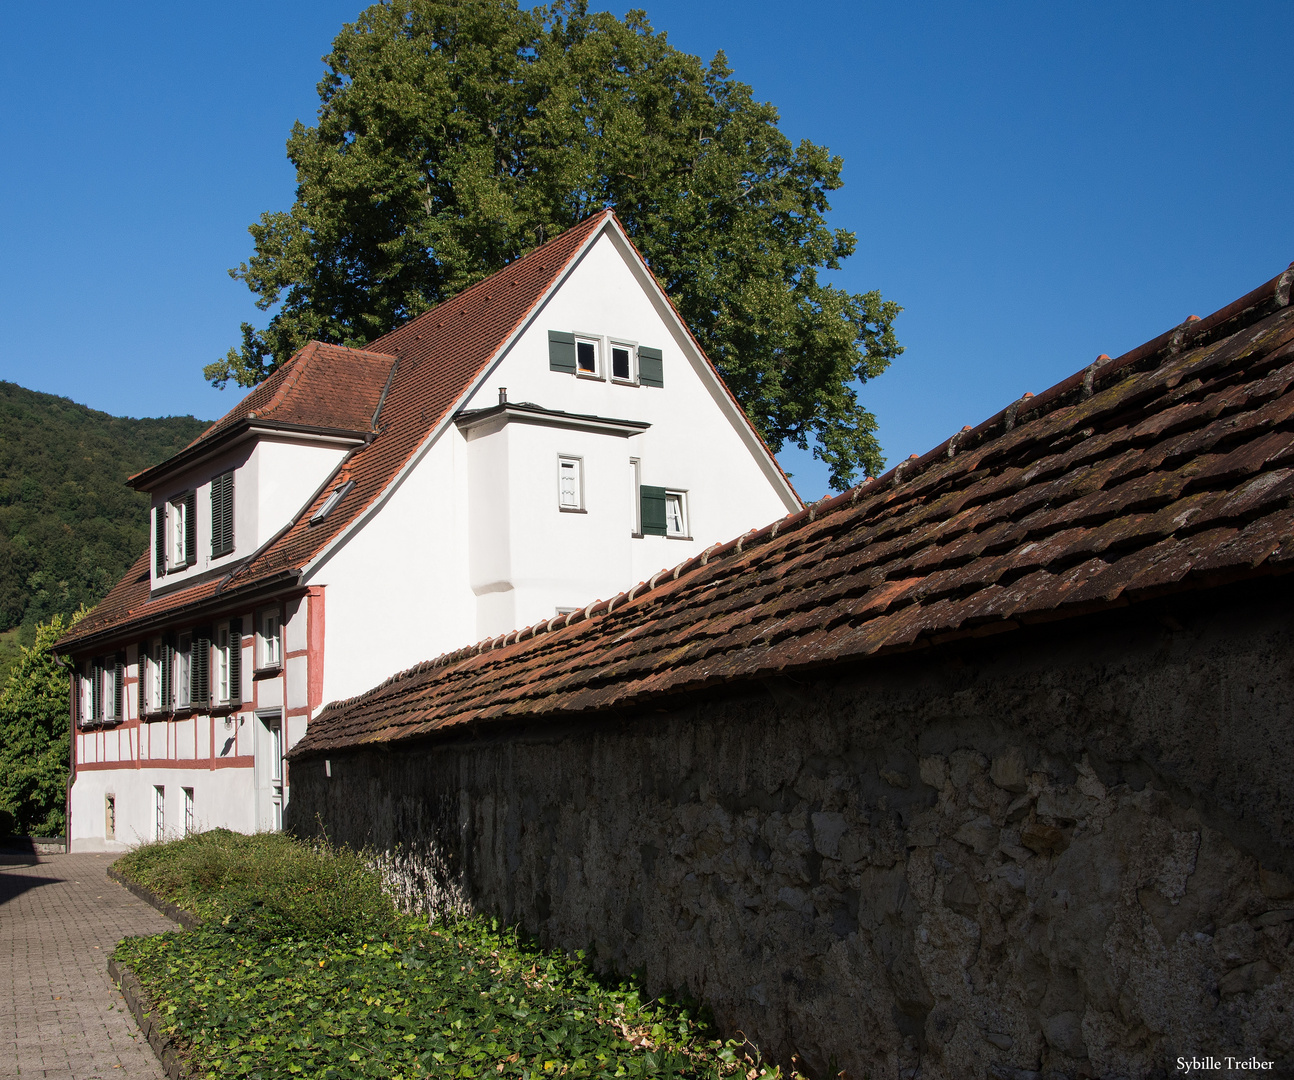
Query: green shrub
x=266, y=884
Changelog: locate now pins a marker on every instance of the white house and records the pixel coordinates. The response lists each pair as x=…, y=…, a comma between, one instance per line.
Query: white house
x=546, y=438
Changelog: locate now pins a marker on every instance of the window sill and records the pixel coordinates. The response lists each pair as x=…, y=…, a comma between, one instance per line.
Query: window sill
x=267, y=671
x=676, y=536
x=624, y=382
x=595, y=376
x=571, y=510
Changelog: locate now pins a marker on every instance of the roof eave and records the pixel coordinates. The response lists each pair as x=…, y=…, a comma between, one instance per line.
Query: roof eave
x=511, y=412
x=207, y=606
x=247, y=428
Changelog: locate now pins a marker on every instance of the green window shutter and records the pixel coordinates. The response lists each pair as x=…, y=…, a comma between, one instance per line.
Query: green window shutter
x=561, y=351
x=96, y=690
x=200, y=668
x=227, y=531
x=217, y=515
x=651, y=368
x=235, y=662
x=190, y=528
x=159, y=539
x=222, y=514
x=653, y=510
x=142, y=685
x=168, y=654
x=118, y=688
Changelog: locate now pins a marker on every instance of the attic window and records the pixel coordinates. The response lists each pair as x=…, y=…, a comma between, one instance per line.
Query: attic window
x=332, y=500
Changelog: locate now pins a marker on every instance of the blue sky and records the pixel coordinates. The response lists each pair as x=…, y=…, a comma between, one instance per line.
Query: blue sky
x=1035, y=184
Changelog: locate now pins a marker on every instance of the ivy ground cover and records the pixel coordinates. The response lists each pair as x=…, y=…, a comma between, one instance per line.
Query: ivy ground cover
x=258, y=992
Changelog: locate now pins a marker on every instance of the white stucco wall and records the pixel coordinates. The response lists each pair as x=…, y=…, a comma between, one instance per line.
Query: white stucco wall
x=527, y=556
x=287, y=474
x=396, y=592
x=225, y=797
x=697, y=441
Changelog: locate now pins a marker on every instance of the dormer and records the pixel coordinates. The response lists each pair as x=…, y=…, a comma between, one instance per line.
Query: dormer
x=256, y=469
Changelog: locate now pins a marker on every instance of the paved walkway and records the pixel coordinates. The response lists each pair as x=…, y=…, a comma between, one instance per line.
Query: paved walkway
x=60, y=1015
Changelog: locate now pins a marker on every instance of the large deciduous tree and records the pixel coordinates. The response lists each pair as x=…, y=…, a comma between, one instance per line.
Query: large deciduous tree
x=455, y=135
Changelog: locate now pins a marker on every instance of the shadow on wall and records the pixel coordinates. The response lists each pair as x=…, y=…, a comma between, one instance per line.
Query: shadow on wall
x=1072, y=854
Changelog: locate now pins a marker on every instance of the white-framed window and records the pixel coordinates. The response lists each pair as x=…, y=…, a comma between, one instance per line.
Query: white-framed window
x=635, y=503
x=159, y=812
x=184, y=671
x=190, y=824
x=623, y=355
x=177, y=530
x=221, y=657
x=113, y=689
x=269, y=639
x=588, y=356
x=676, y=513
x=570, y=483
x=156, y=686
x=102, y=691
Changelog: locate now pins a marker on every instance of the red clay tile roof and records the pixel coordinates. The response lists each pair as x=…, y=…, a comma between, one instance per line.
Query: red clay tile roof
x=1167, y=469
x=322, y=388
x=437, y=357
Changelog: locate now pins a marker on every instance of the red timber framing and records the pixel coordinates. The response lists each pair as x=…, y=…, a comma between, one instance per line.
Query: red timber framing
x=191, y=739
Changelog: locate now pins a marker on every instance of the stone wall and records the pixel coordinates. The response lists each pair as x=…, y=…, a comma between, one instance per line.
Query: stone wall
x=1063, y=853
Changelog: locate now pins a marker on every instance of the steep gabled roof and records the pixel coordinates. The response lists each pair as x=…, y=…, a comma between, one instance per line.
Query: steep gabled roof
x=1170, y=468
x=437, y=357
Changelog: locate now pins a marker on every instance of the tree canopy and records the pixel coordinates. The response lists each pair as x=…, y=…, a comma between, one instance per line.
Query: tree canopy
x=34, y=746
x=455, y=135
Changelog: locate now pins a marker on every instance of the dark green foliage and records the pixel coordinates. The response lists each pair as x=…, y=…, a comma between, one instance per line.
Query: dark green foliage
x=10, y=651
x=455, y=135
x=267, y=884
x=393, y=998
x=69, y=526
x=458, y=1001
x=34, y=734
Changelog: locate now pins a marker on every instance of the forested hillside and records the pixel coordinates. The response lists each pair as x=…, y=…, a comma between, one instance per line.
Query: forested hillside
x=69, y=526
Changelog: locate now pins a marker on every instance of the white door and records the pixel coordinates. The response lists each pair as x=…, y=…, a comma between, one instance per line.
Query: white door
x=270, y=791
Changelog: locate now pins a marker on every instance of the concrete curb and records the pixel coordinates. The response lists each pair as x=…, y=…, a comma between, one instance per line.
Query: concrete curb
x=137, y=1002
x=185, y=918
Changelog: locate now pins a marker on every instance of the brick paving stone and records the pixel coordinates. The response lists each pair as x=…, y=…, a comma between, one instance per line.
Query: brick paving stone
x=60, y=1015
